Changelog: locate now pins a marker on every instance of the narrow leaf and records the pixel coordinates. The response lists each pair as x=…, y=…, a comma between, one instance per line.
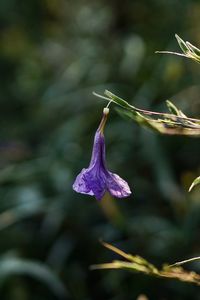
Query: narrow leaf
x=182, y=44
x=194, y=49
x=176, y=123
x=118, y=100
x=194, y=183
x=189, y=50
x=141, y=265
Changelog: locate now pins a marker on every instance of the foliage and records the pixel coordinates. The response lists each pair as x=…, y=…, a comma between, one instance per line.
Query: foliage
x=176, y=123
x=53, y=54
x=195, y=182
x=139, y=264
x=189, y=50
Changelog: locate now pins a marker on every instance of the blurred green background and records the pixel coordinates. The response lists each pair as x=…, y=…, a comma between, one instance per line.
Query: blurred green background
x=53, y=55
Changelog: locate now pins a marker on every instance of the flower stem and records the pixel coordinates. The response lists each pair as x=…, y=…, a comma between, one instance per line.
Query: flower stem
x=104, y=119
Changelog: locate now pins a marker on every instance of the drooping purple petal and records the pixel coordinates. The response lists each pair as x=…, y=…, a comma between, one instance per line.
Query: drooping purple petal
x=81, y=184
x=96, y=180
x=117, y=186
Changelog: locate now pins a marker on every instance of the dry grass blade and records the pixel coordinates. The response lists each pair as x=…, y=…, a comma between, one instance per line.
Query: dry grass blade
x=175, y=123
x=139, y=264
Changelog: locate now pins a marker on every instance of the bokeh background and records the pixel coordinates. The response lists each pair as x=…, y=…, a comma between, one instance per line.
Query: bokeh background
x=53, y=55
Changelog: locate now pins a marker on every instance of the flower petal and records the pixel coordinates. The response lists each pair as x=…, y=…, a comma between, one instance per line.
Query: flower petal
x=91, y=181
x=117, y=186
x=97, y=182
x=81, y=185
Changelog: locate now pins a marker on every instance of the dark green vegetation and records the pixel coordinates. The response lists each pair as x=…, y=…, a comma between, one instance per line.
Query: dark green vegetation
x=53, y=55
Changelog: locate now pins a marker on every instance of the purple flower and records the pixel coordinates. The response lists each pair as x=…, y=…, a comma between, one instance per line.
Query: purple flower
x=96, y=179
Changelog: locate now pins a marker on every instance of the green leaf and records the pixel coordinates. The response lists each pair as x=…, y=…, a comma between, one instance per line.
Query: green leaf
x=189, y=50
x=194, y=183
x=121, y=102
x=176, y=123
x=192, y=48
x=174, y=110
x=182, y=44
